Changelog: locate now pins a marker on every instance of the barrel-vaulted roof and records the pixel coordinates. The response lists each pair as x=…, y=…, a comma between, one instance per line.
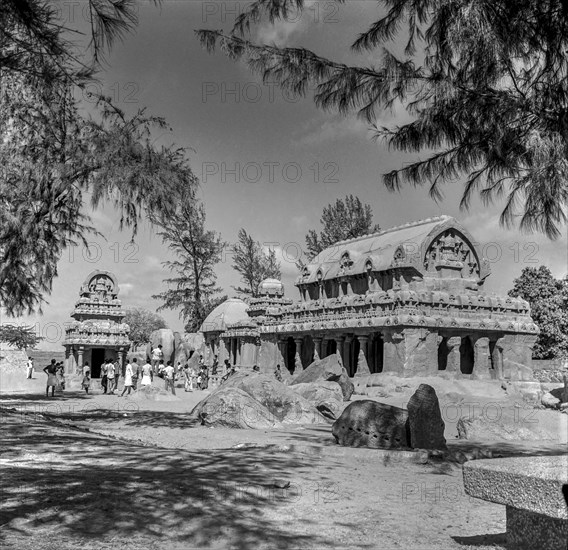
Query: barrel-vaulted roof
x=397, y=247
x=227, y=313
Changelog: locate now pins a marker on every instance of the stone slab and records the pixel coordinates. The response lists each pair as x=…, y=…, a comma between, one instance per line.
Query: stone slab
x=528, y=531
x=532, y=484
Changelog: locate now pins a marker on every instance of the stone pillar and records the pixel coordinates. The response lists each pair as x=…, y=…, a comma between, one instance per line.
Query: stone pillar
x=454, y=344
x=223, y=354
x=298, y=358
x=317, y=347
x=347, y=353
x=362, y=365
x=516, y=350
x=339, y=340
x=411, y=352
x=80, y=352
x=481, y=361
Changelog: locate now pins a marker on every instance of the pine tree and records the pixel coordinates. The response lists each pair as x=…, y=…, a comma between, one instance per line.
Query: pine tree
x=486, y=83
x=197, y=249
x=345, y=219
x=253, y=263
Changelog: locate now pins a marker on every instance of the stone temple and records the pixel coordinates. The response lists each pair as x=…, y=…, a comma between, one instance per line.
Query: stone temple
x=407, y=301
x=97, y=331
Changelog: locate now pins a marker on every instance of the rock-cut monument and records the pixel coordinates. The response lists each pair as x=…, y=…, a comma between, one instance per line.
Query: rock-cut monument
x=97, y=331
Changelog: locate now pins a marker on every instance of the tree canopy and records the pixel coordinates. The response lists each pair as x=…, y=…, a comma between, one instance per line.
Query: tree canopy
x=486, y=84
x=193, y=287
x=142, y=323
x=548, y=298
x=21, y=337
x=55, y=159
x=345, y=219
x=253, y=263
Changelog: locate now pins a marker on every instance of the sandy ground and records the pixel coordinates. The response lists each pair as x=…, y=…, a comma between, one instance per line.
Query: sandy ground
x=98, y=472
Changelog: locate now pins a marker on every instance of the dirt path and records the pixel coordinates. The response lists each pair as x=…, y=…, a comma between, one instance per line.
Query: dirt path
x=168, y=484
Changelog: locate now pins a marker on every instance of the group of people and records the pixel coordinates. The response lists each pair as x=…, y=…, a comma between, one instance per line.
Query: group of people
x=134, y=374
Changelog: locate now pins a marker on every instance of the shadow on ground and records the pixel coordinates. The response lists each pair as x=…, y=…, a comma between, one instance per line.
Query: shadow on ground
x=85, y=487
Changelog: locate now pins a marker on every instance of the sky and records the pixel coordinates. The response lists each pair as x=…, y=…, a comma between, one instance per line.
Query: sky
x=267, y=162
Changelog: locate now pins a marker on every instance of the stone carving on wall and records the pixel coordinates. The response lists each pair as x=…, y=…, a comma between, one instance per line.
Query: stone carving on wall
x=449, y=249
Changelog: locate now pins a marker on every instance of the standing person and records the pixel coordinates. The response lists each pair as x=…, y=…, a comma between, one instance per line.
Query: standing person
x=60, y=377
x=30, y=367
x=135, y=373
x=215, y=365
x=104, y=378
x=128, y=374
x=157, y=356
x=117, y=374
x=147, y=374
x=205, y=378
x=110, y=377
x=86, y=383
x=161, y=368
x=169, y=377
x=278, y=373
x=51, y=371
x=187, y=380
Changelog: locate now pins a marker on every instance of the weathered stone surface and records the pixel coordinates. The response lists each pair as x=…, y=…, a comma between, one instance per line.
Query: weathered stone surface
x=370, y=424
x=231, y=407
x=327, y=369
x=325, y=396
x=548, y=400
x=166, y=338
x=531, y=490
x=480, y=428
x=425, y=419
x=282, y=402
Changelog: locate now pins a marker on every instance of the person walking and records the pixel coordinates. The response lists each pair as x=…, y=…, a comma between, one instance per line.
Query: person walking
x=51, y=371
x=117, y=374
x=86, y=383
x=187, y=379
x=30, y=367
x=135, y=373
x=128, y=373
x=278, y=373
x=104, y=378
x=147, y=374
x=111, y=375
x=169, y=377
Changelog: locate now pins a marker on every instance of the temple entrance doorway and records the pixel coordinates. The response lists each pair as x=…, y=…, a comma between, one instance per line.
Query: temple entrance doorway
x=443, y=352
x=467, y=356
x=377, y=352
x=291, y=354
x=97, y=359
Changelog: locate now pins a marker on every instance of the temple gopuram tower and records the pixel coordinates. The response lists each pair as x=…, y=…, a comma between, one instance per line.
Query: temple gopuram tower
x=97, y=331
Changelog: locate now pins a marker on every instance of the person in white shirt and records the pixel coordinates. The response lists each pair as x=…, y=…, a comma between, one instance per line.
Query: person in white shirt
x=110, y=377
x=147, y=374
x=30, y=367
x=128, y=373
x=169, y=377
x=157, y=356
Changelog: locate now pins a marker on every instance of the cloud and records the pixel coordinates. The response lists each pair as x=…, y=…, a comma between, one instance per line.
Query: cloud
x=336, y=128
x=282, y=32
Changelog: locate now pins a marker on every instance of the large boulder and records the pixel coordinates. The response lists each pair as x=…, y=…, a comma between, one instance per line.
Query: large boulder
x=267, y=401
x=327, y=369
x=166, y=338
x=325, y=396
x=287, y=406
x=230, y=407
x=371, y=424
x=425, y=419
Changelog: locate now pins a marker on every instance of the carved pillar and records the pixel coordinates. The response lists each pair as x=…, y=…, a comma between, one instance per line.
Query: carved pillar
x=298, y=358
x=339, y=340
x=317, y=347
x=481, y=361
x=80, y=352
x=362, y=365
x=454, y=344
x=347, y=353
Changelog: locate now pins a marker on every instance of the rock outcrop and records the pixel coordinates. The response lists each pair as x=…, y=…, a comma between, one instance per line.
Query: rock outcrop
x=425, y=419
x=326, y=396
x=272, y=400
x=481, y=428
x=328, y=369
x=370, y=424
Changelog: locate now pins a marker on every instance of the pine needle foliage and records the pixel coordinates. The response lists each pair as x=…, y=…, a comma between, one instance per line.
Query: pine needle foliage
x=485, y=81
